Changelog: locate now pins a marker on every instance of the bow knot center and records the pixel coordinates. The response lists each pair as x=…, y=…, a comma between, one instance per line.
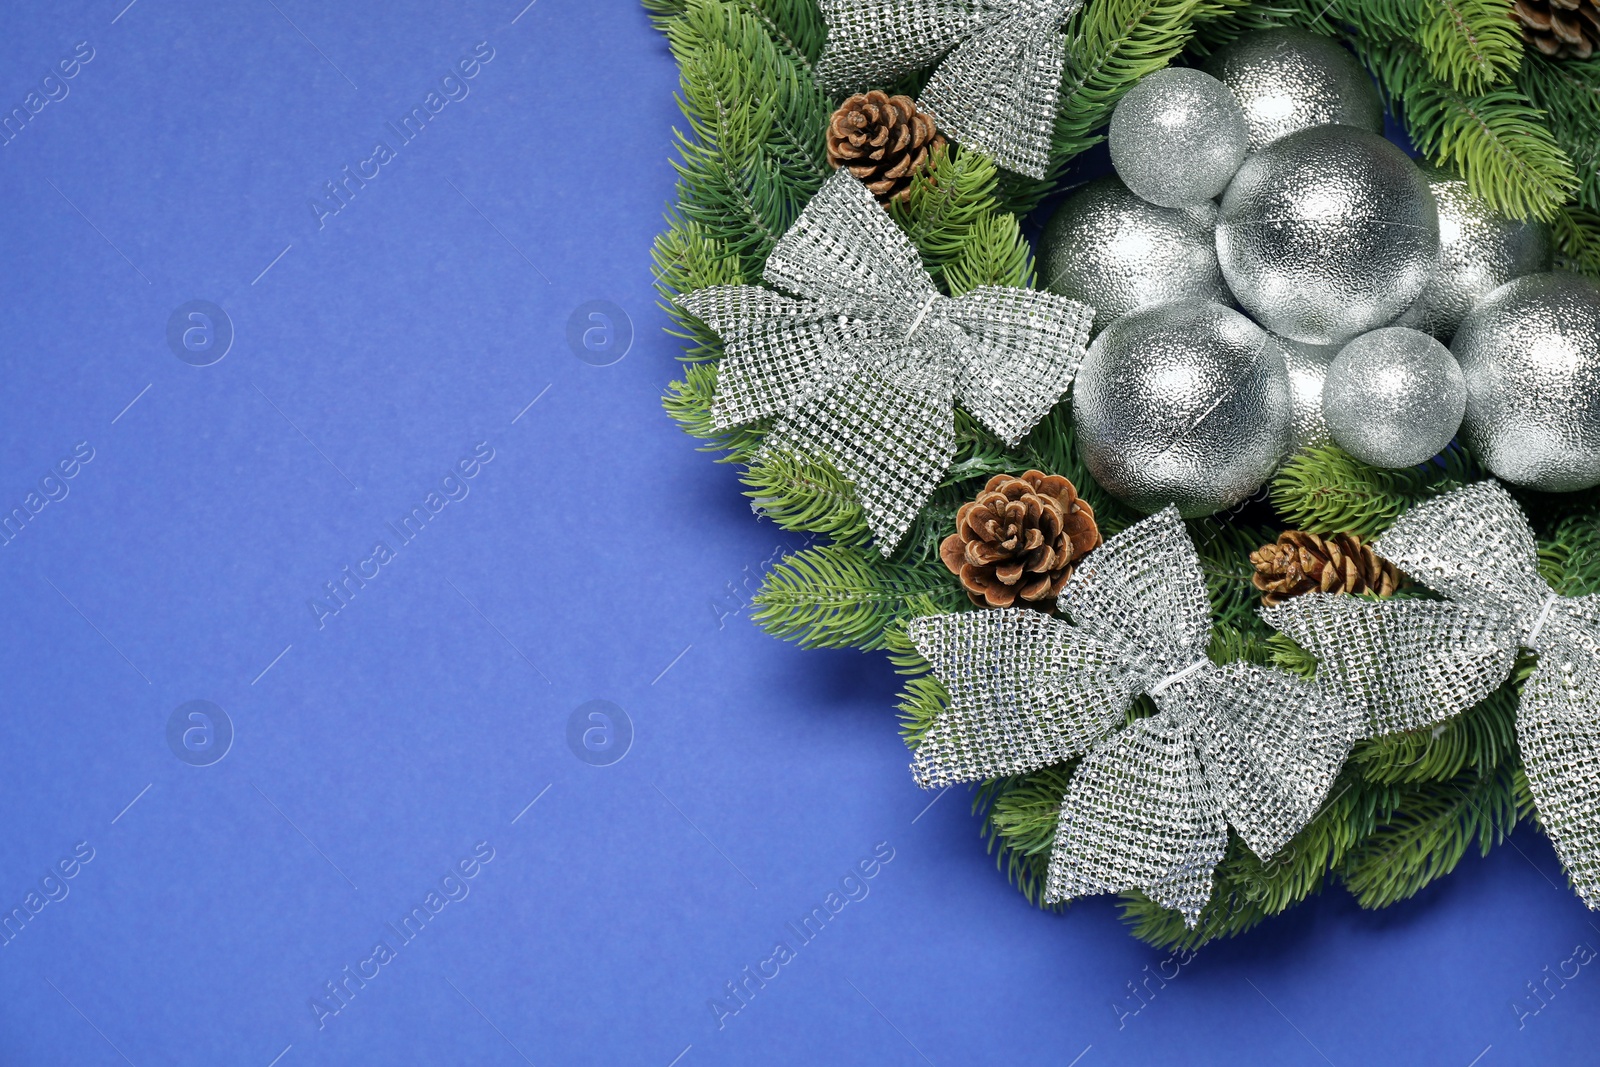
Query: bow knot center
x=1177, y=676
x=1532, y=638
x=921, y=316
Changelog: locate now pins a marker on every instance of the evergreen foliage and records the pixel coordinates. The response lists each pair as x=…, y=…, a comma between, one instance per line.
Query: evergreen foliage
x=1497, y=140
x=1324, y=490
x=1523, y=131
x=840, y=596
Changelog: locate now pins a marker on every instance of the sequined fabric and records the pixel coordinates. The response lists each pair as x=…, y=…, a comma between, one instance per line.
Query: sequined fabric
x=1474, y=546
x=864, y=364
x=998, y=83
x=1149, y=806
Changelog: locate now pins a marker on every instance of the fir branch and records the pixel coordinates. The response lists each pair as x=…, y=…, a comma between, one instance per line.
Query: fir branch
x=806, y=494
x=839, y=596
x=1569, y=95
x=1577, y=238
x=687, y=258
x=1570, y=559
x=1224, y=550
x=754, y=152
x=1496, y=140
x=1230, y=644
x=1020, y=815
x=1225, y=22
x=1247, y=890
x=1429, y=832
x=922, y=701
x=953, y=218
x=1324, y=490
x=1470, y=44
x=796, y=25
x=996, y=253
x=688, y=402
x=1288, y=656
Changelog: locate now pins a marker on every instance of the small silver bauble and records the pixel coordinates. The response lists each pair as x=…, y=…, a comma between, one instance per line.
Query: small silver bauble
x=1182, y=403
x=1530, y=351
x=1308, y=371
x=1479, y=251
x=1327, y=233
x=1116, y=252
x=1288, y=80
x=1394, y=397
x=1177, y=137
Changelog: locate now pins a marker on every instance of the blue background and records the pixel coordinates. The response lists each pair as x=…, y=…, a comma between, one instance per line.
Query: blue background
x=598, y=556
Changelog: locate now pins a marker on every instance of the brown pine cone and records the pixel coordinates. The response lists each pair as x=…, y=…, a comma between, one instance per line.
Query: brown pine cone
x=1017, y=542
x=884, y=140
x=1305, y=563
x=1560, y=29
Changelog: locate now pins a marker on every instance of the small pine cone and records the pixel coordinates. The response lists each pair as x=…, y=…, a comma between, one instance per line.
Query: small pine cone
x=1305, y=563
x=884, y=140
x=1017, y=542
x=1560, y=29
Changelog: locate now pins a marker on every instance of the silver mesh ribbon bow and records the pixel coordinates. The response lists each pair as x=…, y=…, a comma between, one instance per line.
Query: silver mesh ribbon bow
x=999, y=85
x=1149, y=806
x=865, y=367
x=1474, y=546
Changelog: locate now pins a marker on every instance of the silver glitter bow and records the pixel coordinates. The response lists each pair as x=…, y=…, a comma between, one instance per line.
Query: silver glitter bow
x=1149, y=806
x=1474, y=546
x=999, y=84
x=865, y=367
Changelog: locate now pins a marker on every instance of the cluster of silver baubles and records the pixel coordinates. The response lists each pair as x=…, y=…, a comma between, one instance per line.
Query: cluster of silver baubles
x=1264, y=184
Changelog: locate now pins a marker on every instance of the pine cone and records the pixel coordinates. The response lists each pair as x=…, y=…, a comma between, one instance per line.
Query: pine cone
x=1305, y=563
x=883, y=139
x=1560, y=29
x=1019, y=540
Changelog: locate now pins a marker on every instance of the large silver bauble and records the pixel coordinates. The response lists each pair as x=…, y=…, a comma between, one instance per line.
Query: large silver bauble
x=1327, y=233
x=1530, y=351
x=1116, y=252
x=1177, y=137
x=1394, y=397
x=1479, y=251
x=1288, y=80
x=1182, y=403
x=1308, y=372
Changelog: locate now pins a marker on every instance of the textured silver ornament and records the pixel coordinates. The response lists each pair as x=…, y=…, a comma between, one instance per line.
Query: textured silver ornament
x=1149, y=806
x=1327, y=233
x=1177, y=137
x=1116, y=252
x=1474, y=547
x=1289, y=79
x=1182, y=403
x=1394, y=397
x=1530, y=351
x=1479, y=251
x=865, y=367
x=998, y=83
x=1308, y=372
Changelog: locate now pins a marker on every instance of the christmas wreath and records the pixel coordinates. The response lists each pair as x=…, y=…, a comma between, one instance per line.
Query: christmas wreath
x=1200, y=552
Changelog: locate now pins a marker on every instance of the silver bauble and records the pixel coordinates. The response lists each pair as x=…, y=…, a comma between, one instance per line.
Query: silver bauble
x=1182, y=403
x=1479, y=251
x=1116, y=252
x=1394, y=397
x=1327, y=233
x=1308, y=371
x=1287, y=80
x=1177, y=137
x=1530, y=351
